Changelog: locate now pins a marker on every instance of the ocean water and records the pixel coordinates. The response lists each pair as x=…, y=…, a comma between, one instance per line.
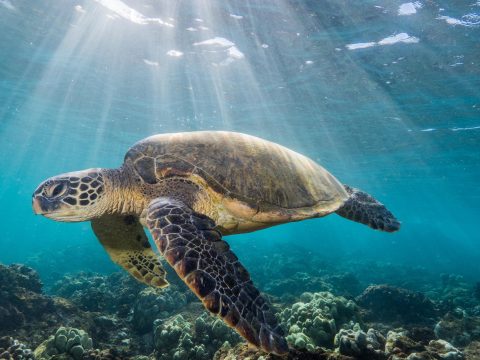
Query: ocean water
x=384, y=94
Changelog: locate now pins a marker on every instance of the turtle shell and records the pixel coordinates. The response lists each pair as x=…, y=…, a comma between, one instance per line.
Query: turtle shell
x=239, y=166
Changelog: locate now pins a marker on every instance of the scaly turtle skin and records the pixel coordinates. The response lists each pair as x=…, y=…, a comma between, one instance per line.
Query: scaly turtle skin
x=189, y=190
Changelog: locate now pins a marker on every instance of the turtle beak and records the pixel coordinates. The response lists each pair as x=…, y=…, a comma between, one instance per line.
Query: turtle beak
x=36, y=200
x=41, y=205
x=37, y=208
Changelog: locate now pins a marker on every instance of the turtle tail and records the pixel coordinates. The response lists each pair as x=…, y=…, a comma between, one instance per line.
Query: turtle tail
x=363, y=208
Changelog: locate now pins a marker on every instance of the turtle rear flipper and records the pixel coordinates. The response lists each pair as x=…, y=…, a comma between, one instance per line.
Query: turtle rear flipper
x=363, y=208
x=124, y=239
x=191, y=245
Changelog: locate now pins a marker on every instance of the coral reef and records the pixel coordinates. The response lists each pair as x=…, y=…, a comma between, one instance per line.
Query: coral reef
x=288, y=289
x=244, y=352
x=285, y=261
x=28, y=313
x=356, y=343
x=314, y=320
x=180, y=339
x=344, y=283
x=476, y=291
x=111, y=294
x=432, y=318
x=400, y=346
x=32, y=316
x=472, y=351
x=385, y=303
x=458, y=328
x=152, y=304
x=415, y=278
x=397, y=345
x=21, y=300
x=296, y=284
x=70, y=341
x=20, y=276
x=444, y=350
x=53, y=268
x=11, y=349
x=422, y=334
x=454, y=292
x=108, y=354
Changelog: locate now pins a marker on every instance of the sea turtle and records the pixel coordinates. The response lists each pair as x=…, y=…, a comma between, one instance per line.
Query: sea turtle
x=189, y=190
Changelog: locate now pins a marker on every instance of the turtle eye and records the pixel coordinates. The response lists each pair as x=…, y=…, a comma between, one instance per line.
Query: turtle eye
x=56, y=190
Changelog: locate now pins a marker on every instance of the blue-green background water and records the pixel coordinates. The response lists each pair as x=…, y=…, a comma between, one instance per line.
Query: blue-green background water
x=81, y=81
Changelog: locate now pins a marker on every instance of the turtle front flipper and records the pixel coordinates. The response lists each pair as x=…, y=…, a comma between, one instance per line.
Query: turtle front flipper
x=191, y=245
x=125, y=241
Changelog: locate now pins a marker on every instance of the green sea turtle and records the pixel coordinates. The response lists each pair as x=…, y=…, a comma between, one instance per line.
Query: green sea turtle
x=189, y=190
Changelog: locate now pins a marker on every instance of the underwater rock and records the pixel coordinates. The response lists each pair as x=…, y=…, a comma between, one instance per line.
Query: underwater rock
x=472, y=351
x=385, y=303
x=152, y=304
x=180, y=339
x=111, y=294
x=70, y=341
x=359, y=344
x=458, y=328
x=11, y=349
x=314, y=320
x=21, y=300
x=244, y=352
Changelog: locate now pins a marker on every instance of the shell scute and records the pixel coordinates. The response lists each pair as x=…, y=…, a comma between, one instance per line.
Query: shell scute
x=145, y=167
x=168, y=165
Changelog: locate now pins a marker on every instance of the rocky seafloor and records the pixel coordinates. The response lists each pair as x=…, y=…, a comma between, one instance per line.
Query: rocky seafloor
x=351, y=311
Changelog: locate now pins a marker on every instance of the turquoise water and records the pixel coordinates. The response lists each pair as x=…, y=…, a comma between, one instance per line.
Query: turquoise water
x=386, y=97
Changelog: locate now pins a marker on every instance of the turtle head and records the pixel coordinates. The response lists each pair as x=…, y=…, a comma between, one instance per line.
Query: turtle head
x=74, y=196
